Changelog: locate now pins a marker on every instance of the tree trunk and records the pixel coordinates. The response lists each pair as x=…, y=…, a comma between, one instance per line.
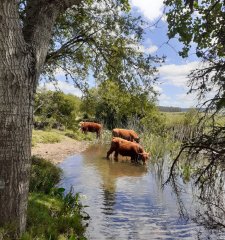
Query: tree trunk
x=23, y=49
x=16, y=94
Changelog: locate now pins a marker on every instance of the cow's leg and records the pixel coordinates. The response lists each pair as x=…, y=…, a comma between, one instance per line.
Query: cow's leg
x=84, y=130
x=109, y=152
x=97, y=134
x=116, y=156
x=134, y=159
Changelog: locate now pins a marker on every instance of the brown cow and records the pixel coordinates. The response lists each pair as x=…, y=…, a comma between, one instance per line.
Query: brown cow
x=127, y=134
x=127, y=148
x=91, y=127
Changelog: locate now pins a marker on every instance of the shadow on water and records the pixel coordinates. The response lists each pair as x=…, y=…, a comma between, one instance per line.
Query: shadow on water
x=127, y=201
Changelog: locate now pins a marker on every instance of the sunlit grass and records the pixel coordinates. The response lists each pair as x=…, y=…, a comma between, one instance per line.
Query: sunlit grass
x=40, y=136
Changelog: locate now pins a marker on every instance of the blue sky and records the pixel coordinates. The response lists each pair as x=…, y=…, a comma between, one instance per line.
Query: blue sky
x=173, y=74
x=172, y=85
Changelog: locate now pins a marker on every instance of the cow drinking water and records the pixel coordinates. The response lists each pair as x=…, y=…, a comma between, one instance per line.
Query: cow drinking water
x=127, y=148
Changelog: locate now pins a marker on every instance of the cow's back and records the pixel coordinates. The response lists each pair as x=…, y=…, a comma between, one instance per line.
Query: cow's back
x=91, y=126
x=127, y=134
x=122, y=133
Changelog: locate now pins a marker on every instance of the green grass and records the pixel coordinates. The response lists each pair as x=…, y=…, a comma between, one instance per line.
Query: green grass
x=47, y=219
x=51, y=213
x=40, y=136
x=174, y=118
x=79, y=136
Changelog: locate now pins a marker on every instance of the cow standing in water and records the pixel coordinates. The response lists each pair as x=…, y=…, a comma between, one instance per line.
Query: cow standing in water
x=91, y=127
x=126, y=134
x=127, y=148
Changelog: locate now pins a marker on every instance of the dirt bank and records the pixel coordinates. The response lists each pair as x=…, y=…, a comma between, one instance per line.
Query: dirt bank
x=57, y=152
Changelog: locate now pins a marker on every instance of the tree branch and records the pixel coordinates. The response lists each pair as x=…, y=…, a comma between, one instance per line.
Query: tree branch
x=38, y=24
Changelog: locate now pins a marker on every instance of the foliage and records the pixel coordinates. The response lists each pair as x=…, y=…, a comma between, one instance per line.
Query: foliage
x=52, y=214
x=53, y=217
x=60, y=107
x=170, y=109
x=105, y=43
x=44, y=175
x=113, y=105
x=204, y=26
x=47, y=219
x=153, y=122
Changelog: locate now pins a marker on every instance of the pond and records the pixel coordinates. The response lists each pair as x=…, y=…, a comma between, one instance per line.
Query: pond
x=126, y=201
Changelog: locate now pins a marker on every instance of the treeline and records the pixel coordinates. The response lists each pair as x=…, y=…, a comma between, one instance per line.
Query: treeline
x=108, y=103
x=170, y=109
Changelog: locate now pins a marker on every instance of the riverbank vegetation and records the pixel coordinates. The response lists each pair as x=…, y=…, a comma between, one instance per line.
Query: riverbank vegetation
x=52, y=213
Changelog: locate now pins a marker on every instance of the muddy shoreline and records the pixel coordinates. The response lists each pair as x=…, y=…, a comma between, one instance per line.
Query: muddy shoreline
x=57, y=152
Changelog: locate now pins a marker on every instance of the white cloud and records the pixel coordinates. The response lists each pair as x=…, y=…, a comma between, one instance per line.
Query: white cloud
x=182, y=100
x=158, y=89
x=176, y=74
x=152, y=9
x=62, y=86
x=151, y=49
x=165, y=100
x=186, y=100
x=141, y=48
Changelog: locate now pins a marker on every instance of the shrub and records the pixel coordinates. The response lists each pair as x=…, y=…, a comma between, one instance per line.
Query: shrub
x=47, y=219
x=44, y=175
x=52, y=214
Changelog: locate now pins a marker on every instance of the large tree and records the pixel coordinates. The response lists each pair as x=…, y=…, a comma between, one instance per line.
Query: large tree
x=39, y=37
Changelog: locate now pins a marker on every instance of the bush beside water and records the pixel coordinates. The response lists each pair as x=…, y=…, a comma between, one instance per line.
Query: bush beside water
x=52, y=214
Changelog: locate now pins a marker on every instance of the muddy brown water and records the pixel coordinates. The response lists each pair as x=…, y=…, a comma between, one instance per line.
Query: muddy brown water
x=126, y=201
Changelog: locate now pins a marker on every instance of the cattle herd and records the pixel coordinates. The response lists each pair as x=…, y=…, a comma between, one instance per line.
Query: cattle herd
x=124, y=142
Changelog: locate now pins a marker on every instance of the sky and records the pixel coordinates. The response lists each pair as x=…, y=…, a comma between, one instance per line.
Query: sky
x=172, y=84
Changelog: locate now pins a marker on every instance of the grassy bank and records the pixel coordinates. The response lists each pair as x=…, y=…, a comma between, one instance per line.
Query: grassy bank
x=51, y=213
x=55, y=136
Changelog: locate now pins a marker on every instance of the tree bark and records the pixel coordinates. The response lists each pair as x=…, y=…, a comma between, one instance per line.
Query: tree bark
x=23, y=49
x=16, y=79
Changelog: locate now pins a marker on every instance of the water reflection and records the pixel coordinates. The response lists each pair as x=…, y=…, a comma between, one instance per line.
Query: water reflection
x=127, y=201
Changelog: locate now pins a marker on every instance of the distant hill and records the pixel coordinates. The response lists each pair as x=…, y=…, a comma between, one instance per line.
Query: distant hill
x=173, y=109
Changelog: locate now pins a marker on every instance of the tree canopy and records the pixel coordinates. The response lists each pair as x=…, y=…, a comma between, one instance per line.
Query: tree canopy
x=101, y=39
x=113, y=105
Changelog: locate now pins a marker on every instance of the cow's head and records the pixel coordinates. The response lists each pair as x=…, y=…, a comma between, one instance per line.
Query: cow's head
x=144, y=156
x=137, y=139
x=81, y=123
